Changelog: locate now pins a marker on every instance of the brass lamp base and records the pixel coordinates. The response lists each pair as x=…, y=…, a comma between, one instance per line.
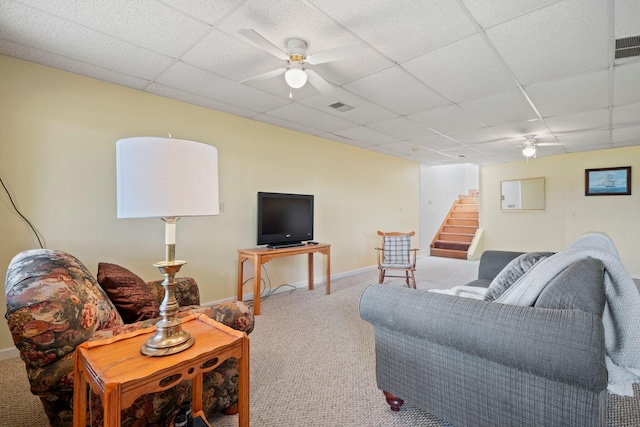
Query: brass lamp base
x=169, y=337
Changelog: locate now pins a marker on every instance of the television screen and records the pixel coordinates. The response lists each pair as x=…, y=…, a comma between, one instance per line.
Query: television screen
x=284, y=219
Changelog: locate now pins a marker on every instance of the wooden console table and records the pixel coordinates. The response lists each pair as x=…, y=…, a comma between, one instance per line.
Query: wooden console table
x=115, y=369
x=259, y=256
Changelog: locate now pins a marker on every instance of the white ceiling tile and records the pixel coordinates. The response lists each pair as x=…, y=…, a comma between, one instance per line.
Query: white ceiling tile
x=402, y=95
x=446, y=119
x=626, y=114
x=572, y=94
x=402, y=128
x=475, y=136
x=26, y=26
x=500, y=108
x=60, y=62
x=187, y=78
x=279, y=21
x=145, y=23
x=585, y=139
x=287, y=124
x=306, y=116
x=370, y=136
x=626, y=86
x=364, y=112
x=401, y=30
x=463, y=70
x=491, y=12
x=577, y=149
x=349, y=69
x=230, y=58
x=436, y=143
x=563, y=39
x=190, y=98
x=627, y=18
x=209, y=11
x=580, y=122
x=627, y=134
x=519, y=130
x=345, y=140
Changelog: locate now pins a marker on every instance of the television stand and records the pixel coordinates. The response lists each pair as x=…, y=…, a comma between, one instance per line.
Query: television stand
x=285, y=245
x=259, y=256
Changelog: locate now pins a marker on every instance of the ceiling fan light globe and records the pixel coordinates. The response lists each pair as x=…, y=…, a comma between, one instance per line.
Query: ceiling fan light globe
x=529, y=151
x=295, y=77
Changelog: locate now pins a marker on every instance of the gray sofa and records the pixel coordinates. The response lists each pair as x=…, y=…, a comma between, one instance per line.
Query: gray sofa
x=480, y=363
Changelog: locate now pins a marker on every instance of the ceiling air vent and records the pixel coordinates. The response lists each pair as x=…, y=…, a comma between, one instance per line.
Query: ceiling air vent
x=341, y=107
x=627, y=47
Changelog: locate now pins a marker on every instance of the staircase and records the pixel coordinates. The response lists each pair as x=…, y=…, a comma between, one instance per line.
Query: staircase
x=458, y=229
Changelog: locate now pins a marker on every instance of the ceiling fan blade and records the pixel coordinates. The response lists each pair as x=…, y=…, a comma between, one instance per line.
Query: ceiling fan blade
x=264, y=76
x=319, y=83
x=263, y=43
x=337, y=54
x=548, y=144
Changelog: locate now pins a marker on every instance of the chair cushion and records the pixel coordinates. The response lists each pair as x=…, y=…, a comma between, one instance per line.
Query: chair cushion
x=512, y=272
x=128, y=292
x=397, y=250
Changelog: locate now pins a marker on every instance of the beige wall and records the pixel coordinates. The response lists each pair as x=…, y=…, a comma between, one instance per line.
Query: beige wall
x=568, y=212
x=57, y=158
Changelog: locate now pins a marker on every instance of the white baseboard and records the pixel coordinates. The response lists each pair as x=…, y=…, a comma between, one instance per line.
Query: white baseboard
x=9, y=353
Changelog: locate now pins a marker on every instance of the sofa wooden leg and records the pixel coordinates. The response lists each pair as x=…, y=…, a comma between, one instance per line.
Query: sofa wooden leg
x=394, y=402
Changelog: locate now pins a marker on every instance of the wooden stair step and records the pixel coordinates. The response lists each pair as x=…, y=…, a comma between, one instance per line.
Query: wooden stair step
x=447, y=244
x=448, y=253
x=456, y=237
x=462, y=229
x=468, y=201
x=466, y=208
x=462, y=221
x=465, y=214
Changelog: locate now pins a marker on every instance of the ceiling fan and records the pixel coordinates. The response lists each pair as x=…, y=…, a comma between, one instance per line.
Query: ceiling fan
x=295, y=73
x=530, y=146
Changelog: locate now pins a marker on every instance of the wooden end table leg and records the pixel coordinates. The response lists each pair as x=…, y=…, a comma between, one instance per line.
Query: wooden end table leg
x=240, y=277
x=79, y=395
x=327, y=273
x=257, y=266
x=310, y=270
x=243, y=384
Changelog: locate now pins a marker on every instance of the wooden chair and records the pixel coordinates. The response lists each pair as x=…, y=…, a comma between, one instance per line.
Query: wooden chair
x=396, y=254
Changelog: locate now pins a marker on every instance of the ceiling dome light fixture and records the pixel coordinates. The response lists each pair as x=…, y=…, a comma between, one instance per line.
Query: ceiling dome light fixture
x=295, y=76
x=529, y=149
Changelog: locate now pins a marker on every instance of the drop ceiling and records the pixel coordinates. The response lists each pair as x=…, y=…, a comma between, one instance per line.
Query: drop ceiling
x=439, y=82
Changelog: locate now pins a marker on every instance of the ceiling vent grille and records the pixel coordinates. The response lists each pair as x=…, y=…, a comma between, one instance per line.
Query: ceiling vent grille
x=627, y=47
x=341, y=107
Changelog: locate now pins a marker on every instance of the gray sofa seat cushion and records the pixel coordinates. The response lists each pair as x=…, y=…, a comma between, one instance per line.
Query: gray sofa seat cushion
x=580, y=287
x=512, y=272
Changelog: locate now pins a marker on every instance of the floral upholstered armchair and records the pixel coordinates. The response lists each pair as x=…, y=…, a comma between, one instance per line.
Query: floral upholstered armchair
x=54, y=304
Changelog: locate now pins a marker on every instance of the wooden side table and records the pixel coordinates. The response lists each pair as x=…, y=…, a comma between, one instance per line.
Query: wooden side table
x=259, y=256
x=116, y=370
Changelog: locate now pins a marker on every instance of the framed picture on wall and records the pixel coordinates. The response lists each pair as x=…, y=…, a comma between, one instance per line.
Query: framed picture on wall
x=607, y=181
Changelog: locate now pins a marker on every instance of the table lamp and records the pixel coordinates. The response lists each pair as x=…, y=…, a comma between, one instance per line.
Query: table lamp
x=166, y=178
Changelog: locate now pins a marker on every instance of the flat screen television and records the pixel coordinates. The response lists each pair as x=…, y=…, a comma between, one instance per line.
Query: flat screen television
x=284, y=219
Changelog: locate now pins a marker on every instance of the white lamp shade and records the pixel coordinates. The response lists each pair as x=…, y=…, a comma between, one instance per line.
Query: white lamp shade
x=166, y=177
x=295, y=77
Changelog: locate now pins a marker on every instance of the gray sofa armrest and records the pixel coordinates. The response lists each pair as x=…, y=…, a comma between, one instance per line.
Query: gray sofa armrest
x=492, y=263
x=562, y=345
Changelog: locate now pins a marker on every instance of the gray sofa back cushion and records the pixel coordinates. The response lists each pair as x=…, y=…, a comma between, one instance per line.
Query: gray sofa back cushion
x=579, y=287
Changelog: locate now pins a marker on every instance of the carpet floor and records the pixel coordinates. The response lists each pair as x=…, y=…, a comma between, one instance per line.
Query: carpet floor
x=312, y=361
